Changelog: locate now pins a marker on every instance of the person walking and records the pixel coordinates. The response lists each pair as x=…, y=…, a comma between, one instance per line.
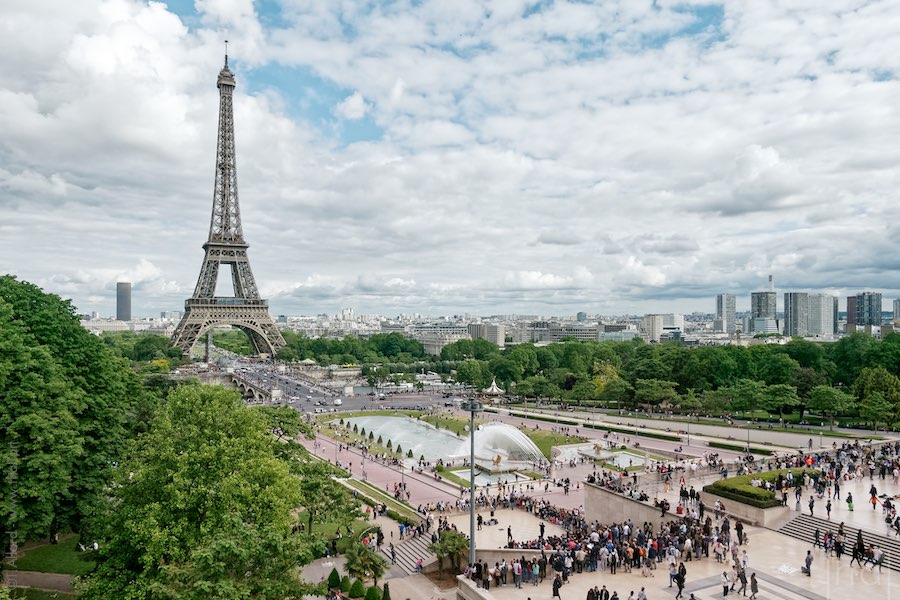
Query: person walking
x=808, y=562
x=557, y=583
x=754, y=586
x=725, y=583
x=742, y=577
x=812, y=503
x=828, y=509
x=679, y=581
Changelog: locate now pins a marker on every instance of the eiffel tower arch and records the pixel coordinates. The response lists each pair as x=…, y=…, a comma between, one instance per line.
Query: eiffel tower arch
x=226, y=246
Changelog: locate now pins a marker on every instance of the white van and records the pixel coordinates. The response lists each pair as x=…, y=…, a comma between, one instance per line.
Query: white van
x=338, y=401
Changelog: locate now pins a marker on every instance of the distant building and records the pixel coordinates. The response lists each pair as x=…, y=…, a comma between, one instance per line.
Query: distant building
x=492, y=332
x=868, y=308
x=761, y=325
x=821, y=315
x=651, y=327
x=897, y=309
x=725, y=313
x=796, y=314
x=851, y=310
x=581, y=317
x=763, y=305
x=123, y=301
x=835, y=317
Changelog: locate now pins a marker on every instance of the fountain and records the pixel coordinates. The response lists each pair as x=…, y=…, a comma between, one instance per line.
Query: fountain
x=498, y=447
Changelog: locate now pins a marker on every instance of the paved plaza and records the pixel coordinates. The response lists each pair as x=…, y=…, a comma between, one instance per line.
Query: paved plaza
x=775, y=558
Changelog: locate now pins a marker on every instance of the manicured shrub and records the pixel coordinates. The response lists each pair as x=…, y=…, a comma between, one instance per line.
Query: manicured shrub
x=345, y=584
x=357, y=590
x=373, y=593
x=334, y=579
x=386, y=593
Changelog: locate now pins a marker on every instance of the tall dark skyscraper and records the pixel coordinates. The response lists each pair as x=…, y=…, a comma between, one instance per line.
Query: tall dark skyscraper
x=123, y=301
x=868, y=308
x=851, y=310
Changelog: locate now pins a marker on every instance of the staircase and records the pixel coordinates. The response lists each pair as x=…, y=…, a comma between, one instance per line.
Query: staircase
x=410, y=550
x=803, y=527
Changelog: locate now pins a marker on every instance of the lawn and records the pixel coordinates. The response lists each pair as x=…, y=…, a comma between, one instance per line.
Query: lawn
x=327, y=531
x=57, y=558
x=545, y=439
x=379, y=495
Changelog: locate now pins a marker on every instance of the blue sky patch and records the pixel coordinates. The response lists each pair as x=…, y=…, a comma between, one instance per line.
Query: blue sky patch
x=311, y=98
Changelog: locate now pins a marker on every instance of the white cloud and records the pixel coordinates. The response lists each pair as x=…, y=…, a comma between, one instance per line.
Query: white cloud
x=588, y=156
x=352, y=107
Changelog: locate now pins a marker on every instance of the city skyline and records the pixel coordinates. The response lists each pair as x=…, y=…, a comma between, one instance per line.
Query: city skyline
x=532, y=157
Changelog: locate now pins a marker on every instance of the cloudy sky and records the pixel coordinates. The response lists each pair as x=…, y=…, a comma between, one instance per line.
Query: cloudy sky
x=456, y=156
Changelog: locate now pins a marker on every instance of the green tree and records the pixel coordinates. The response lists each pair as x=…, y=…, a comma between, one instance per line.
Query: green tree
x=583, y=390
x=201, y=508
x=876, y=410
x=618, y=392
x=829, y=401
x=777, y=368
x=780, y=397
x=715, y=402
x=689, y=402
x=67, y=407
x=880, y=380
x=321, y=498
x=284, y=421
x=364, y=563
x=386, y=592
x=653, y=392
x=334, y=579
x=450, y=545
x=745, y=394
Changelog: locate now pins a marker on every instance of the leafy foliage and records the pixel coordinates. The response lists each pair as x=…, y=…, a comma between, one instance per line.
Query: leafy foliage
x=201, y=508
x=358, y=589
x=68, y=406
x=363, y=562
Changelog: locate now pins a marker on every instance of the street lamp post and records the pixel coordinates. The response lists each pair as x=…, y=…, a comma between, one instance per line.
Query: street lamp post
x=472, y=406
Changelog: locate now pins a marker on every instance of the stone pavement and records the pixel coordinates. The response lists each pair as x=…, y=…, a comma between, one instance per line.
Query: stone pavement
x=776, y=559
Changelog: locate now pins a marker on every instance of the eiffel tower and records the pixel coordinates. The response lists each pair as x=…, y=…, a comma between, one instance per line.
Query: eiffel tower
x=226, y=246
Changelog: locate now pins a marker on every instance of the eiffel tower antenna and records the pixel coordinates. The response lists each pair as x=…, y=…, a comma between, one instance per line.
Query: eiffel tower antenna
x=226, y=246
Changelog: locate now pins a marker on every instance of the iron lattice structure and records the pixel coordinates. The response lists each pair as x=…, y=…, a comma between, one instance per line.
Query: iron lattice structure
x=226, y=245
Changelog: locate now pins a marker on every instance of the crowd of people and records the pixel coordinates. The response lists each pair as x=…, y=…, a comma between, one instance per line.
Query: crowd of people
x=589, y=547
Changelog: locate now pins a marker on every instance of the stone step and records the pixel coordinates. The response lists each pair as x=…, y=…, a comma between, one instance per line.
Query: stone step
x=803, y=527
x=409, y=551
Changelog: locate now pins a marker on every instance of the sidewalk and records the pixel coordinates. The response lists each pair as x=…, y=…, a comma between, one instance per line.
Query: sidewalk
x=56, y=582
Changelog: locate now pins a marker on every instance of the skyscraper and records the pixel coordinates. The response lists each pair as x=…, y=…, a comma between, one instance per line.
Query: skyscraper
x=123, y=301
x=834, y=316
x=821, y=315
x=796, y=314
x=725, y=313
x=868, y=308
x=897, y=309
x=851, y=310
x=763, y=306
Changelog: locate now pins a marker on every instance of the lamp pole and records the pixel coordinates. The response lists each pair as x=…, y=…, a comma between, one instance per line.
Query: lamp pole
x=472, y=406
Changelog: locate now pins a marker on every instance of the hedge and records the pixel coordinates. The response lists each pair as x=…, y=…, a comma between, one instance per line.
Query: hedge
x=739, y=448
x=739, y=488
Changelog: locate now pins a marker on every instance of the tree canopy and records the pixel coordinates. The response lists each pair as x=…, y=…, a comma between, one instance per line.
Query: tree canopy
x=202, y=508
x=69, y=404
